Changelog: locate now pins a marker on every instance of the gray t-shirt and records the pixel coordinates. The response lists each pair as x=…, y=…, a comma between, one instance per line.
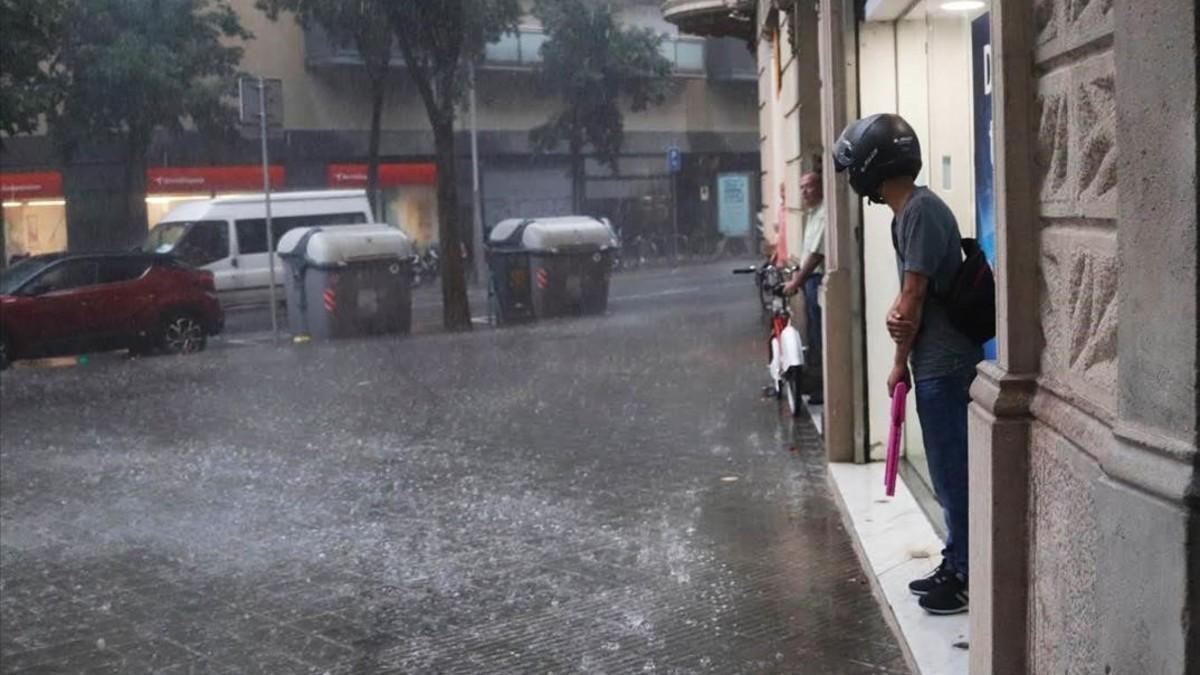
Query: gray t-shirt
x=927, y=242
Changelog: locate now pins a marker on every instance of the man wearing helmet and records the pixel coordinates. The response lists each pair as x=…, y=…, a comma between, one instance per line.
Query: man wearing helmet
x=882, y=157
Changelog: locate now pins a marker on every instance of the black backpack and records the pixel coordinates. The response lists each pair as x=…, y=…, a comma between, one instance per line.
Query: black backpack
x=971, y=299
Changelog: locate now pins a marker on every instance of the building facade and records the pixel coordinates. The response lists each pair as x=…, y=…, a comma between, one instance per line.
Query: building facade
x=710, y=117
x=1064, y=136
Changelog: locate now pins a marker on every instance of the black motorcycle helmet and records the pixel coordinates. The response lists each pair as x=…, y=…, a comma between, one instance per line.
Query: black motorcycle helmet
x=875, y=149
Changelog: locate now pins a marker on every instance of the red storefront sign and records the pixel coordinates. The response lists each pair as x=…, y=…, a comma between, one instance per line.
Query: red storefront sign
x=37, y=185
x=174, y=180
x=390, y=175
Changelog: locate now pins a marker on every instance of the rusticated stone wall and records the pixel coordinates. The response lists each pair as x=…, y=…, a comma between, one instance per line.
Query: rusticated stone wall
x=1076, y=158
x=1085, y=430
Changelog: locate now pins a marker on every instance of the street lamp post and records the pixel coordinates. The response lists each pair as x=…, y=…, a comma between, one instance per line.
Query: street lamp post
x=477, y=215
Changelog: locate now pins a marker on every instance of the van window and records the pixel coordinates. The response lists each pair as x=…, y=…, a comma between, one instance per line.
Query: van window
x=251, y=233
x=206, y=242
x=252, y=236
x=164, y=236
x=195, y=242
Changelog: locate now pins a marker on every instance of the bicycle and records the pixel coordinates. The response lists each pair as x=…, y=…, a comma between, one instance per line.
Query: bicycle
x=786, y=348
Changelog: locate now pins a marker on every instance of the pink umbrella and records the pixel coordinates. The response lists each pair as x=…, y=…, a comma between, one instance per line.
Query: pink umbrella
x=899, y=394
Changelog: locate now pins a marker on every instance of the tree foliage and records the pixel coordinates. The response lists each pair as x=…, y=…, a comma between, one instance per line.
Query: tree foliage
x=366, y=25
x=593, y=64
x=30, y=33
x=131, y=66
x=125, y=68
x=438, y=39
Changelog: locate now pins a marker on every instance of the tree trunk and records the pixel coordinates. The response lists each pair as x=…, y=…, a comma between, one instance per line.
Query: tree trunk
x=132, y=229
x=373, y=149
x=456, y=312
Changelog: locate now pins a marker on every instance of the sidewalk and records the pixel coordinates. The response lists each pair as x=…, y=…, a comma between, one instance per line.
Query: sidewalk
x=895, y=541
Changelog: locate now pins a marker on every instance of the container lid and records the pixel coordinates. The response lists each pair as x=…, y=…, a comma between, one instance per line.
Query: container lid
x=552, y=234
x=344, y=244
x=502, y=233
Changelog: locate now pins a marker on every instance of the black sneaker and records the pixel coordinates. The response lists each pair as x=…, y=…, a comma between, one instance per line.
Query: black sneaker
x=935, y=579
x=949, y=598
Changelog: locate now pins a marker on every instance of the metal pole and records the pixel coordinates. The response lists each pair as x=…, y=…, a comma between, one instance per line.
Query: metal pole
x=266, y=170
x=674, y=219
x=477, y=226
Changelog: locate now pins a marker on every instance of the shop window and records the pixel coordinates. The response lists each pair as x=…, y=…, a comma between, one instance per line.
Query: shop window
x=207, y=241
x=689, y=56
x=531, y=47
x=118, y=270
x=506, y=49
x=66, y=276
x=667, y=49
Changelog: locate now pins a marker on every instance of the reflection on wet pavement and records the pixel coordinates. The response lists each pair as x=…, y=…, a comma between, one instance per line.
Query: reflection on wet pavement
x=551, y=498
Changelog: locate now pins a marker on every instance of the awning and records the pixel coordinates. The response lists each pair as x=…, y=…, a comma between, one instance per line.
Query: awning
x=174, y=180
x=36, y=185
x=390, y=175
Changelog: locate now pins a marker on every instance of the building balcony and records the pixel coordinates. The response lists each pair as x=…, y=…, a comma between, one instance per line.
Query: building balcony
x=513, y=51
x=730, y=60
x=712, y=18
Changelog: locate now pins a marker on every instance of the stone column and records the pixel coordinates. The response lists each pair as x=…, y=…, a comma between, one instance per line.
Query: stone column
x=999, y=416
x=842, y=301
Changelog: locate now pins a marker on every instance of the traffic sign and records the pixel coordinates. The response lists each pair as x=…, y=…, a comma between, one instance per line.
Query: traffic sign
x=674, y=160
x=249, y=107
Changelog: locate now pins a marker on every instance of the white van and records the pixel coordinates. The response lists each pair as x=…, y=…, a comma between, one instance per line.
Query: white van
x=228, y=235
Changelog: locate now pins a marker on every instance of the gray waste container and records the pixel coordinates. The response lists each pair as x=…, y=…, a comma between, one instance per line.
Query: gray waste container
x=347, y=280
x=547, y=267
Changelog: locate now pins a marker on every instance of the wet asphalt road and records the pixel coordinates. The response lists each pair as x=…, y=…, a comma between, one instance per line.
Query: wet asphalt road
x=605, y=494
x=633, y=289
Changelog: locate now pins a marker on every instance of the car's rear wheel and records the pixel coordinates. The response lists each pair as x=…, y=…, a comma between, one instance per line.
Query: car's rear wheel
x=4, y=355
x=182, y=333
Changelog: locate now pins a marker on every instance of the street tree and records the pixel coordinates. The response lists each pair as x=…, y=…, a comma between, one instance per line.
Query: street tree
x=591, y=64
x=31, y=31
x=438, y=39
x=127, y=68
x=364, y=24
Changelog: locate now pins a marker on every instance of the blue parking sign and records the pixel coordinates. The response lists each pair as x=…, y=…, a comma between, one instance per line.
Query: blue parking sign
x=674, y=160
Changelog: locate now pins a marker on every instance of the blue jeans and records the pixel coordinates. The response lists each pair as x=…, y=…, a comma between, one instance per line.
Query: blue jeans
x=813, y=338
x=942, y=406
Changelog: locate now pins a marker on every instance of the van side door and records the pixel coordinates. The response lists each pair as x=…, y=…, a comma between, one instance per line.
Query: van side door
x=251, y=277
x=253, y=273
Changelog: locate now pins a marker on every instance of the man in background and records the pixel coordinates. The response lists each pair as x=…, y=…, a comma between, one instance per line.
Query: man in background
x=810, y=274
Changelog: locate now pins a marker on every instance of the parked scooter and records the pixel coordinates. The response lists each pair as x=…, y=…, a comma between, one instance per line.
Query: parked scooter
x=786, y=349
x=426, y=266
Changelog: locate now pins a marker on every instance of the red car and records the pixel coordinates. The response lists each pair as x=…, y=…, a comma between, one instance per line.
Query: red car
x=63, y=303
